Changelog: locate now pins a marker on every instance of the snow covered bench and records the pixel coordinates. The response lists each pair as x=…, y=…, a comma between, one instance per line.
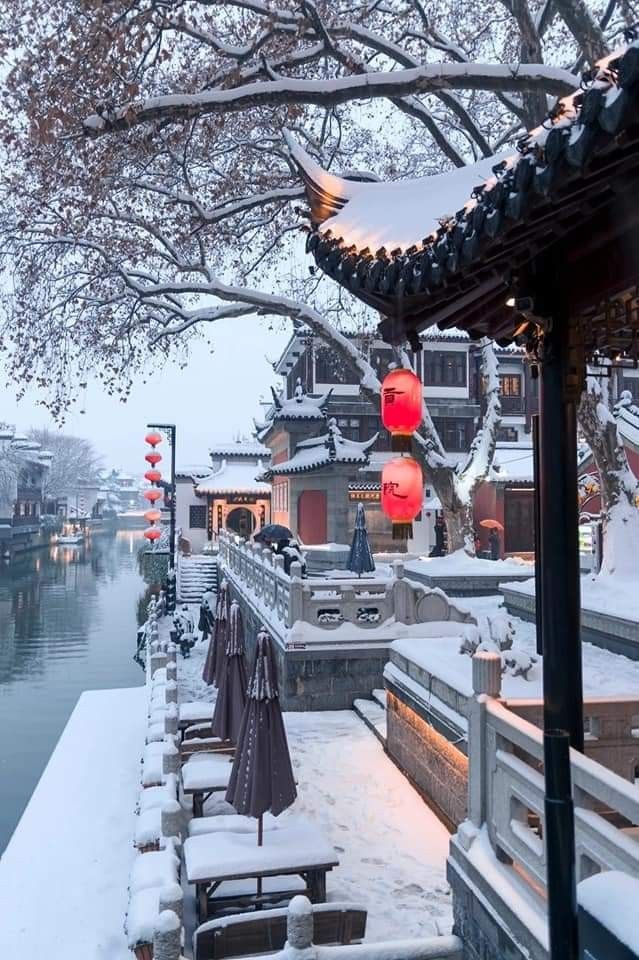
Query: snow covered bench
x=202, y=775
x=248, y=934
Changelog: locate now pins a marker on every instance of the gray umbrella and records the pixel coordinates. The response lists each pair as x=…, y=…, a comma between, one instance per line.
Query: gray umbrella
x=232, y=683
x=262, y=777
x=217, y=642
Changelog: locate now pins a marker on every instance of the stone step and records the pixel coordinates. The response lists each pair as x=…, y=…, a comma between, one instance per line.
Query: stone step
x=380, y=697
x=374, y=716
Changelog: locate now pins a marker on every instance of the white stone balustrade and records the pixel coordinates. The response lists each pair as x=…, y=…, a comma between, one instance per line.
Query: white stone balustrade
x=284, y=600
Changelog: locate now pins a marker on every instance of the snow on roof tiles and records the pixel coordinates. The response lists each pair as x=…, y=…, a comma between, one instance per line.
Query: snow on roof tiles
x=235, y=477
x=513, y=462
x=321, y=451
x=240, y=448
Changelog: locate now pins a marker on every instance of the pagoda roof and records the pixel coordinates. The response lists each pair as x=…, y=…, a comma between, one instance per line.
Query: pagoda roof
x=234, y=476
x=317, y=452
x=450, y=249
x=303, y=406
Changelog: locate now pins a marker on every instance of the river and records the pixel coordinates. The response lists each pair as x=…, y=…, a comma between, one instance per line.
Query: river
x=67, y=624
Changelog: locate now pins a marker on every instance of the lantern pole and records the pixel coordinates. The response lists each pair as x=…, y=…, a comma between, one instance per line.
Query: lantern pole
x=169, y=430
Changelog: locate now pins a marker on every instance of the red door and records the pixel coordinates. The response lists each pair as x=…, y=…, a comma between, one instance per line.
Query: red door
x=311, y=516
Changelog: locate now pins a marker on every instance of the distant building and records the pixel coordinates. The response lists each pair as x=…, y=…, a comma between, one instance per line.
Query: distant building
x=23, y=468
x=315, y=500
x=225, y=494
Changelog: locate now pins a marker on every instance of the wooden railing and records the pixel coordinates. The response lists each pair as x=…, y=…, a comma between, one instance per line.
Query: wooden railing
x=284, y=600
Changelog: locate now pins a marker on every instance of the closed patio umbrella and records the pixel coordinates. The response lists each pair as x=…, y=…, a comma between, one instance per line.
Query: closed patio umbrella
x=262, y=779
x=232, y=682
x=218, y=637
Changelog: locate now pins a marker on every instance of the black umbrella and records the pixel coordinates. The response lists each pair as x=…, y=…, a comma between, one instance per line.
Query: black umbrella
x=273, y=533
x=262, y=777
x=217, y=642
x=232, y=683
x=360, y=558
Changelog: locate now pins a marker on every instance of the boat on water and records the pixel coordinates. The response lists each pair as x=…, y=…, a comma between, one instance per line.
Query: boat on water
x=74, y=539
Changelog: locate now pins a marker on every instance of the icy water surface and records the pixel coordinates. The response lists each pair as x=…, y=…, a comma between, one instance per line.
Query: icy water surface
x=67, y=624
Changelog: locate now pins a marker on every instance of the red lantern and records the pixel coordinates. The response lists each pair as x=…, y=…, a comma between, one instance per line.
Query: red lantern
x=153, y=458
x=153, y=438
x=402, y=494
x=401, y=407
x=152, y=533
x=152, y=495
x=153, y=476
x=152, y=516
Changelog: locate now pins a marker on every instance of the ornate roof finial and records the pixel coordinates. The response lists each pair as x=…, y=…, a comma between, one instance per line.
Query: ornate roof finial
x=299, y=393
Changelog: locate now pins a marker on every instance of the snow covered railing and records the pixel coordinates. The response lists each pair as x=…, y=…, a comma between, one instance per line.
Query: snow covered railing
x=506, y=792
x=328, y=603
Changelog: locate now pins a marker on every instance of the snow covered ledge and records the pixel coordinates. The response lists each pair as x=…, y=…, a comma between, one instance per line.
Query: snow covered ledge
x=497, y=862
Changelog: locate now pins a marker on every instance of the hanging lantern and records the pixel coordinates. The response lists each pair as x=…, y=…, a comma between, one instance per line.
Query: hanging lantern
x=153, y=458
x=153, y=438
x=153, y=495
x=402, y=494
x=153, y=476
x=152, y=516
x=152, y=533
x=401, y=407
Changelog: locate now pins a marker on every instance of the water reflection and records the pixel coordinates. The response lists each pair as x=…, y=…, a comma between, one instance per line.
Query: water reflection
x=67, y=623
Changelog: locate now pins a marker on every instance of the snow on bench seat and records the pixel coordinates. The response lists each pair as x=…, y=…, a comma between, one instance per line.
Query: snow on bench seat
x=235, y=823
x=152, y=772
x=157, y=868
x=64, y=874
x=148, y=826
x=206, y=771
x=196, y=711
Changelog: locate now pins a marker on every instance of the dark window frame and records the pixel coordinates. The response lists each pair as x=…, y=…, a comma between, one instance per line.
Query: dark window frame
x=445, y=368
x=199, y=510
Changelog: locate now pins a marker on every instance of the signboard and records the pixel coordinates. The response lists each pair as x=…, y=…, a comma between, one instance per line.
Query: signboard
x=242, y=498
x=370, y=496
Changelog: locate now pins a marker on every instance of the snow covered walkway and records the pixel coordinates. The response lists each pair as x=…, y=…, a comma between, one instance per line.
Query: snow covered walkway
x=391, y=847
x=64, y=875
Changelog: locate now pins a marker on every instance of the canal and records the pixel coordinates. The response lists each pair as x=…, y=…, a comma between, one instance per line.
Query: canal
x=67, y=624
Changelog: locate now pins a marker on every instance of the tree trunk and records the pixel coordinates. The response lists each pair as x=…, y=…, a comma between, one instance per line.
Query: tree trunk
x=460, y=528
x=618, y=485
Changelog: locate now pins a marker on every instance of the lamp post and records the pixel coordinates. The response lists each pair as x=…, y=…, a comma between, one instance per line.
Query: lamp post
x=169, y=430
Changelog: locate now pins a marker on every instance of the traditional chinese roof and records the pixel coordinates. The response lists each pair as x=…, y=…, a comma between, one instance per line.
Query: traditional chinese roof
x=450, y=249
x=193, y=471
x=330, y=447
x=627, y=416
x=301, y=406
x=240, y=448
x=238, y=476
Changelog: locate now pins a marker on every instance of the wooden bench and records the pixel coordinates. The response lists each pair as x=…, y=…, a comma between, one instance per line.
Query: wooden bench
x=250, y=934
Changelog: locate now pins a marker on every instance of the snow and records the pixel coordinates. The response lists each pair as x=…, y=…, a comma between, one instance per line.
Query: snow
x=513, y=461
x=231, y=822
x=608, y=897
x=459, y=564
x=316, y=452
x=153, y=797
x=394, y=674
x=148, y=825
x=614, y=594
x=234, y=477
x=242, y=448
x=391, y=847
x=156, y=868
x=63, y=877
x=205, y=772
x=236, y=854
x=303, y=408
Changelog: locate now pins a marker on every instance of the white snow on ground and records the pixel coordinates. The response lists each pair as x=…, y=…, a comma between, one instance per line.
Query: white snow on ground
x=611, y=594
x=391, y=847
x=459, y=564
x=605, y=673
x=64, y=875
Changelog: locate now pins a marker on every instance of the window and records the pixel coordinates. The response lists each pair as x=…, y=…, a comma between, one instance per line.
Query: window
x=443, y=368
x=510, y=385
x=197, y=518
x=510, y=391
x=456, y=433
x=507, y=435
x=329, y=368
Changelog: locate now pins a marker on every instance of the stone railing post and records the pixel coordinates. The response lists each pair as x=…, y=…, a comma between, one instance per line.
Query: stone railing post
x=172, y=898
x=170, y=757
x=299, y=924
x=171, y=691
x=158, y=660
x=167, y=936
x=295, y=595
x=486, y=683
x=171, y=670
x=171, y=720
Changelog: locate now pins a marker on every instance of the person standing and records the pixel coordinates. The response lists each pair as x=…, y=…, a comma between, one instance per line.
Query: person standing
x=493, y=543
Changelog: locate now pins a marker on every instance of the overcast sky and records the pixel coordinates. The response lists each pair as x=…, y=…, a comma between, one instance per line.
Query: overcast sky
x=213, y=399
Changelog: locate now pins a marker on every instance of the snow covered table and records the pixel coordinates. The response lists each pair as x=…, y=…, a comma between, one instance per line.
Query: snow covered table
x=300, y=850
x=202, y=775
